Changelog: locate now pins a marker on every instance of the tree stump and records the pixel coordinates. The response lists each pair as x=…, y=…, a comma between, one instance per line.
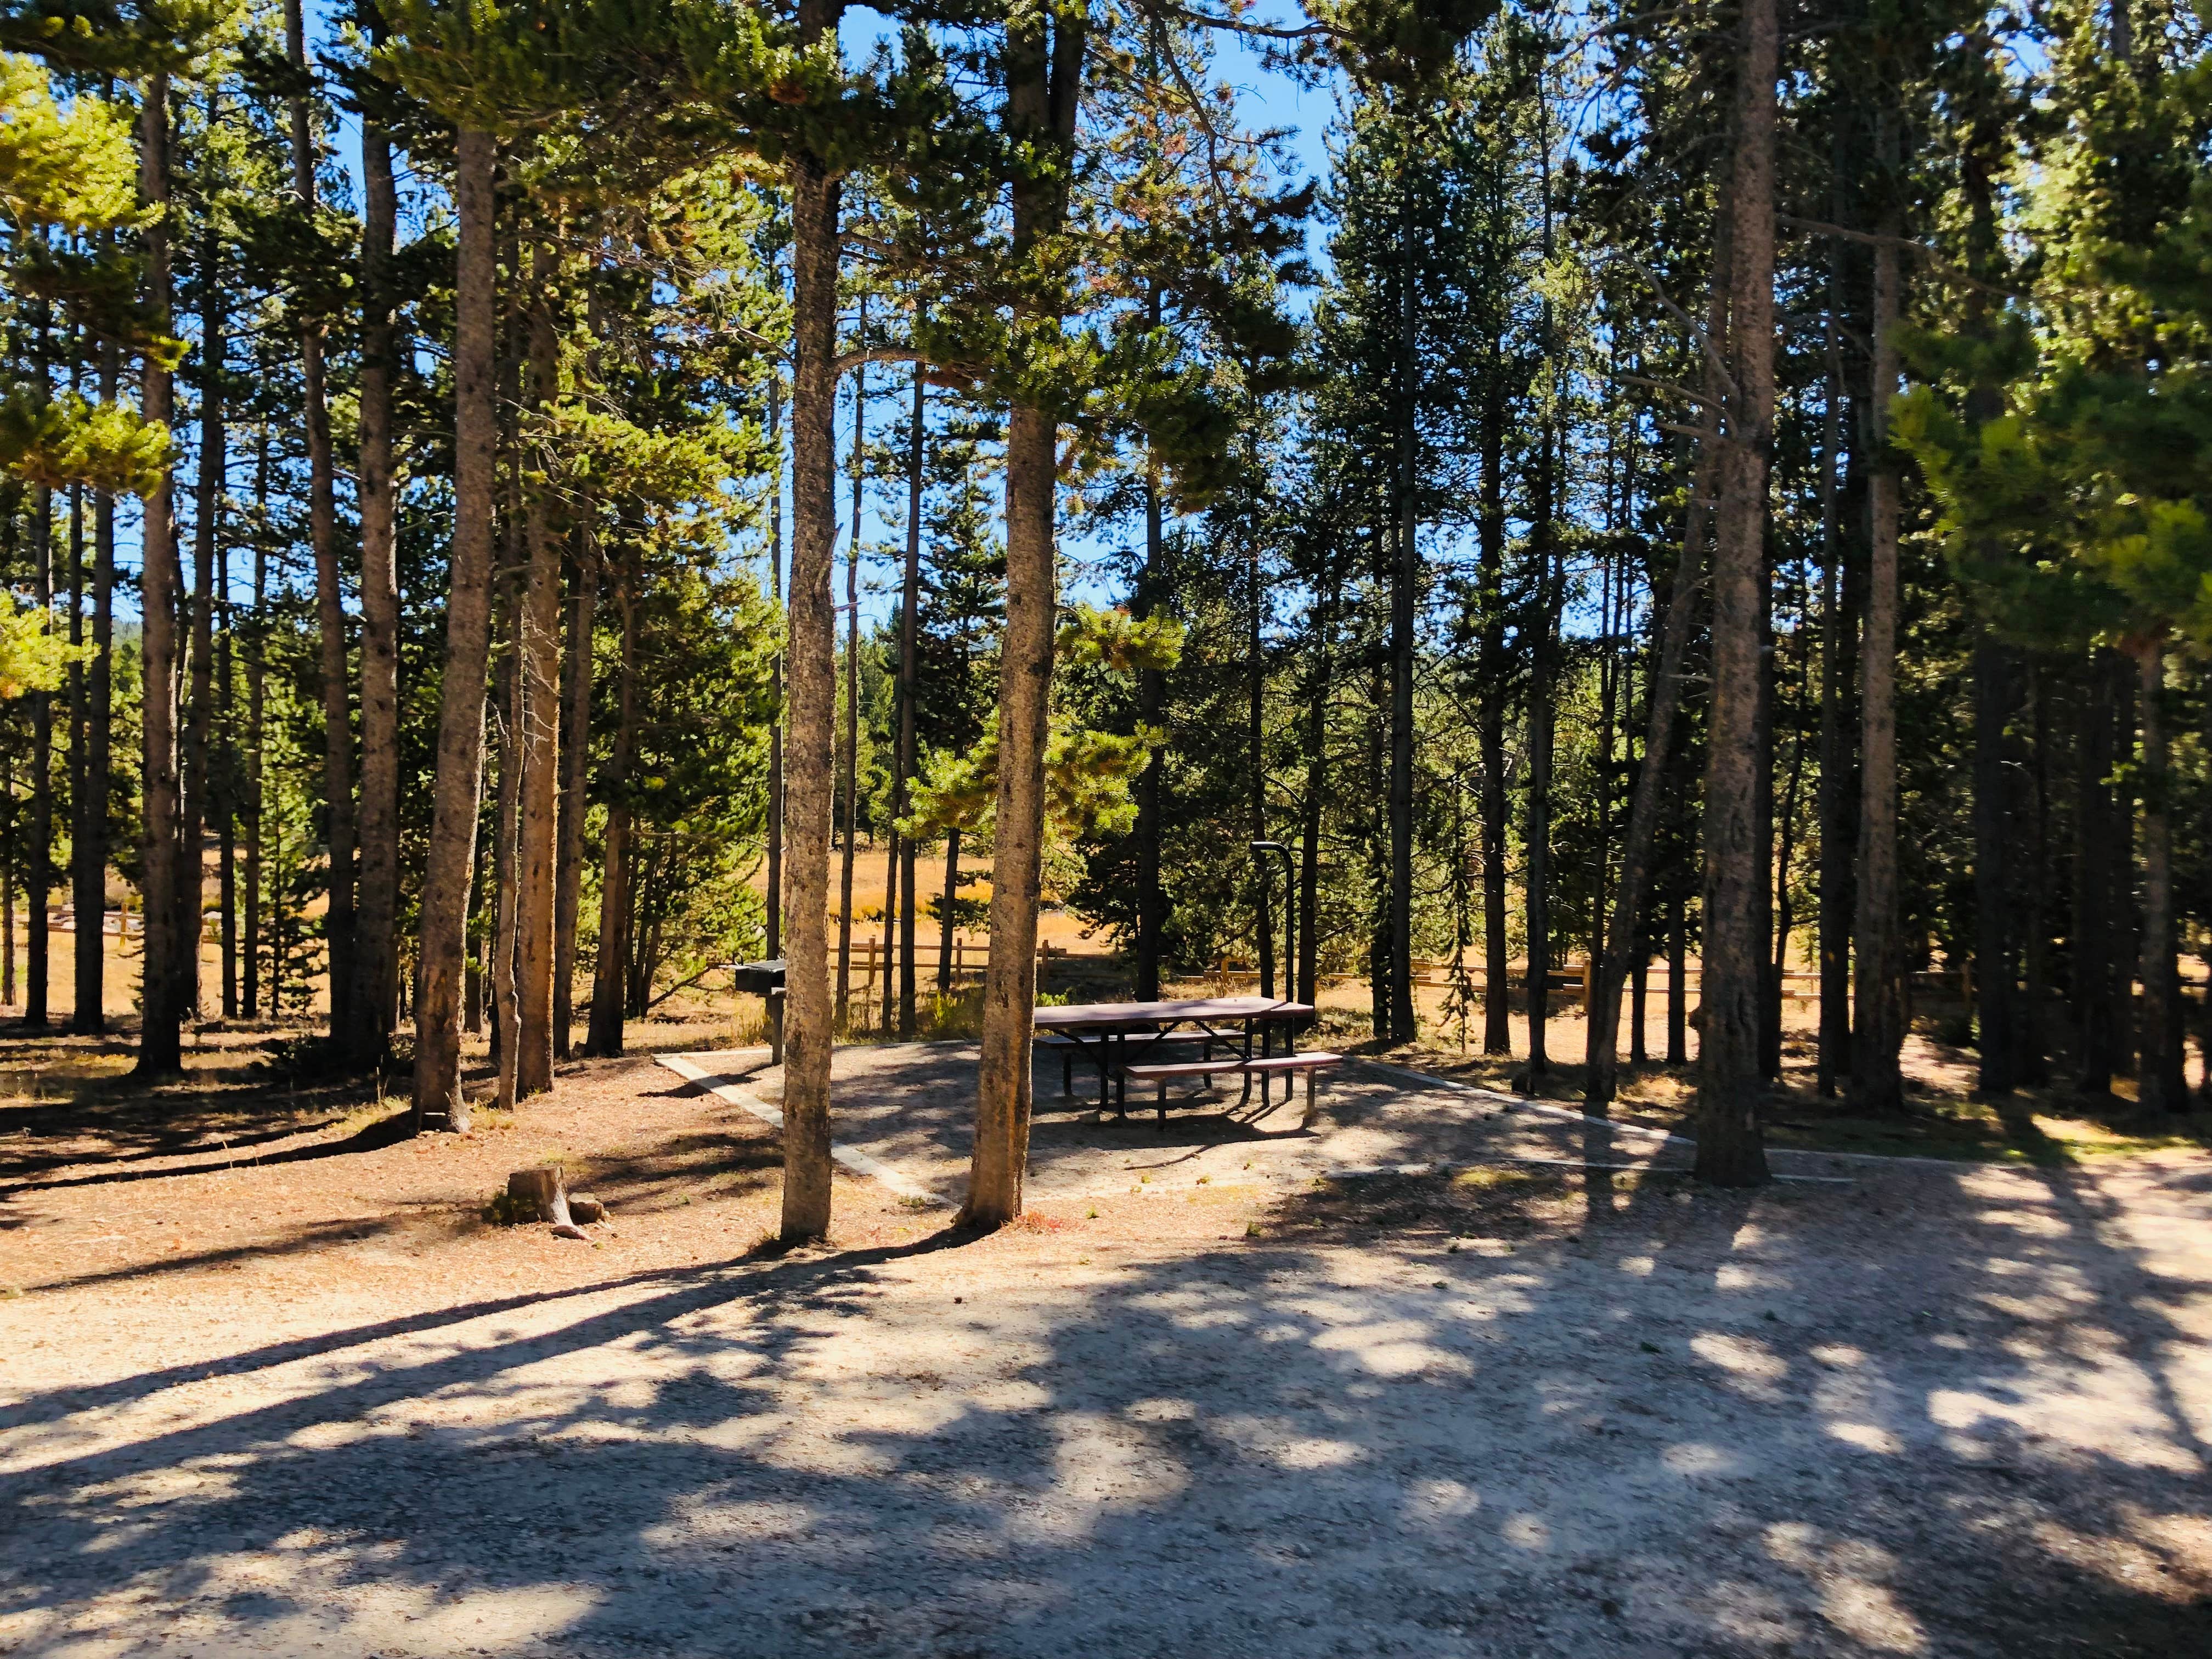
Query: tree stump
x=543, y=1193
x=584, y=1209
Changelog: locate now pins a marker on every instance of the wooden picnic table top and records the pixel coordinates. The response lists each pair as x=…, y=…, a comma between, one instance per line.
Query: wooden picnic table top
x=1090, y=1015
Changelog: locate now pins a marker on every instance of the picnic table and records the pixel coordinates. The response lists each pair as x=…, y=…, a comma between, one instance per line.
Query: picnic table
x=1118, y=1034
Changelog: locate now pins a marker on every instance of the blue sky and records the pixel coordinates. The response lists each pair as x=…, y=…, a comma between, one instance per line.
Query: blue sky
x=1266, y=98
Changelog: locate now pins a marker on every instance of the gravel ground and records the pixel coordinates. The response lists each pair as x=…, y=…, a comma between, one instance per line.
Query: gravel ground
x=318, y=1406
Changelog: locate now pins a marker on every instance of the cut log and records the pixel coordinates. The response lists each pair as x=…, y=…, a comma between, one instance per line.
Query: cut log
x=543, y=1193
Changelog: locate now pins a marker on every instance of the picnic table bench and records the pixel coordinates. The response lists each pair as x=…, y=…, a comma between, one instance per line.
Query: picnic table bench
x=1126, y=1039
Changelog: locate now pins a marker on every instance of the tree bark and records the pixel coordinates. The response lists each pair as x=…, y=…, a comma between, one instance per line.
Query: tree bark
x=88, y=1014
x=1536, y=828
x=1838, y=626
x=909, y=646
x=2120, y=853
x=1151, y=698
x=224, y=795
x=774, y=922
x=1678, y=992
x=39, y=865
x=575, y=763
x=2096, y=825
x=1729, y=1084
x=1627, y=950
x=200, y=724
x=75, y=762
x=1763, y=850
x=1256, y=742
x=812, y=643
x=377, y=949
x=256, y=666
x=1489, y=715
x=1878, y=1034
x=539, y=739
x=459, y=783
x=849, y=782
x=1043, y=85
x=603, y=1037
x=1380, y=958
x=506, y=820
x=1542, y=717
x=1316, y=790
x=1995, y=694
x=2158, y=1080
x=1405, y=581
x=330, y=606
x=2031, y=1052
x=160, y=1050
x=7, y=893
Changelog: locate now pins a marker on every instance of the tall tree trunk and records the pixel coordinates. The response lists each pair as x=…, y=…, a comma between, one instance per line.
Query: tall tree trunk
x=1770, y=986
x=159, y=1050
x=1677, y=988
x=1542, y=717
x=459, y=783
x=225, y=795
x=1878, y=1034
x=1602, y=1058
x=506, y=818
x=1405, y=582
x=610, y=975
x=539, y=739
x=909, y=646
x=1536, y=829
x=1489, y=715
x=1729, y=1085
x=1836, y=797
x=575, y=764
x=1379, y=957
x=1043, y=86
x=2030, y=1054
x=257, y=666
x=812, y=644
x=92, y=939
x=1994, y=831
x=376, y=959
x=1785, y=853
x=329, y=605
x=2096, y=825
x=1316, y=788
x=1255, y=737
x=1151, y=698
x=849, y=780
x=88, y=1015
x=200, y=723
x=2119, y=852
x=7, y=893
x=2159, y=1081
x=38, y=864
x=774, y=905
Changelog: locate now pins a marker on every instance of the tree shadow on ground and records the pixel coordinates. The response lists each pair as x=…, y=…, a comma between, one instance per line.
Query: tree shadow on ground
x=387, y=1131
x=1922, y=1415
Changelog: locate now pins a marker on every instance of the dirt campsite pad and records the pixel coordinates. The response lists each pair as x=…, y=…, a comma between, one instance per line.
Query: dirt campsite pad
x=301, y=1399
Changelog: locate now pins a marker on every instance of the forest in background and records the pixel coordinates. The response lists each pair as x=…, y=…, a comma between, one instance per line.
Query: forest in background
x=1733, y=491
